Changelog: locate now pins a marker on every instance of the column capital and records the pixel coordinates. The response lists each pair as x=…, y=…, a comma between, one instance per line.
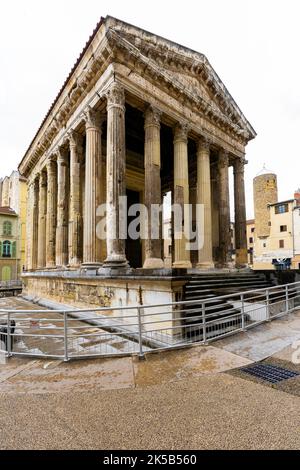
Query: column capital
x=239, y=165
x=92, y=118
x=203, y=143
x=152, y=116
x=50, y=164
x=62, y=155
x=223, y=158
x=181, y=131
x=75, y=139
x=43, y=179
x=115, y=96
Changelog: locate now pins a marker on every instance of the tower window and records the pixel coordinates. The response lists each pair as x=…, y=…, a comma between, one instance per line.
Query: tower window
x=281, y=243
x=283, y=228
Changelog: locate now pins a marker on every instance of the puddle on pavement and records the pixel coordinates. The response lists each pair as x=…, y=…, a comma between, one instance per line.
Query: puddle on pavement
x=58, y=377
x=182, y=364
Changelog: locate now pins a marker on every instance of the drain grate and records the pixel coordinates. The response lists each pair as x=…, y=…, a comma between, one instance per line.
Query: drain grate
x=270, y=373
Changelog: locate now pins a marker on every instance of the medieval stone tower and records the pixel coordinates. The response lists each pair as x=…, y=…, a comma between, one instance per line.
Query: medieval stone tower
x=265, y=192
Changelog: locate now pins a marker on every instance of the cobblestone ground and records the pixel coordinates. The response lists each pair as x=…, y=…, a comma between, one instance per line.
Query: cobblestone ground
x=191, y=399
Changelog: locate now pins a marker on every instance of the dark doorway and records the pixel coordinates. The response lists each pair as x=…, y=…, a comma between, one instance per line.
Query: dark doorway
x=133, y=247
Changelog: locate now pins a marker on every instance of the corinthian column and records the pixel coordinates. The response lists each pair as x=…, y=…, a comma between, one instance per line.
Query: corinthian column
x=224, y=210
x=181, y=195
x=92, y=253
x=153, y=189
x=205, y=256
x=75, y=216
x=42, y=220
x=62, y=208
x=115, y=177
x=32, y=235
x=240, y=213
x=51, y=213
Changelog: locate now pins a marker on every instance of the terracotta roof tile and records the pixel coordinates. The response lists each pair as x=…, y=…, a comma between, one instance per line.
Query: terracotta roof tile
x=7, y=211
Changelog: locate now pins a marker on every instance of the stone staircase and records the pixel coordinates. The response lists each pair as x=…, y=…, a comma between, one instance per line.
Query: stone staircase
x=209, y=286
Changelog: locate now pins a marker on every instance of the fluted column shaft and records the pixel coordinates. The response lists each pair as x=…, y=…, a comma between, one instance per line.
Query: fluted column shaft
x=33, y=224
x=75, y=226
x=115, y=177
x=240, y=214
x=224, y=210
x=181, y=193
x=205, y=255
x=62, y=208
x=42, y=220
x=51, y=213
x=28, y=225
x=153, y=242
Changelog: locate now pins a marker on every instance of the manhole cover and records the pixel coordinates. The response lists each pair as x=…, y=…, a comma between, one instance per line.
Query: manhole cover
x=270, y=373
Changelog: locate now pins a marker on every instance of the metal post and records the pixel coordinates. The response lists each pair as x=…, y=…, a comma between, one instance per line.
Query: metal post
x=243, y=312
x=287, y=299
x=268, y=305
x=204, y=323
x=141, y=352
x=66, y=358
x=8, y=338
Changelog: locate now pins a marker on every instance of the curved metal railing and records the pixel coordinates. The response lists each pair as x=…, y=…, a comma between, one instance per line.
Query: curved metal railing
x=140, y=329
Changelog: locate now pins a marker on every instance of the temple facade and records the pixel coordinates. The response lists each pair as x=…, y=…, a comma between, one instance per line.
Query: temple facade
x=138, y=116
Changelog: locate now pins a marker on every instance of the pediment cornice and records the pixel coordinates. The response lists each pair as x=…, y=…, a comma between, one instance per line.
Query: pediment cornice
x=154, y=60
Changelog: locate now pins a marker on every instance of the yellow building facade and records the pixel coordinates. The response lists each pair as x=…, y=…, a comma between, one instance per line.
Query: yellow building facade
x=281, y=249
x=13, y=195
x=251, y=236
x=9, y=245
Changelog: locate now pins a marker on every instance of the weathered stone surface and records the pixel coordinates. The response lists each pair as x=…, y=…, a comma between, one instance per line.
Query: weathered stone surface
x=137, y=88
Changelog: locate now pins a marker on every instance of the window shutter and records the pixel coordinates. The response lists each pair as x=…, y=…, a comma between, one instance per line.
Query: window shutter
x=14, y=249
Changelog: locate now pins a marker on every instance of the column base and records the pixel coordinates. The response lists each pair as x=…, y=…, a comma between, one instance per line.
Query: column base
x=205, y=265
x=90, y=268
x=241, y=260
x=154, y=263
x=114, y=266
x=182, y=265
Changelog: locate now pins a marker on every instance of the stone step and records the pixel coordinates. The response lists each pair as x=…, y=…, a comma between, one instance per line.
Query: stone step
x=212, y=282
x=214, y=316
x=238, y=287
x=216, y=307
x=235, y=276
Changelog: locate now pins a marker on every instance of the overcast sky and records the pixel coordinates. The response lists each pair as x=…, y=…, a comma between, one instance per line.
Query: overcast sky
x=252, y=44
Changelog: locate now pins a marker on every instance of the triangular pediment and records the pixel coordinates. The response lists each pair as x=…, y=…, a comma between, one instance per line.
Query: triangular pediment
x=189, y=69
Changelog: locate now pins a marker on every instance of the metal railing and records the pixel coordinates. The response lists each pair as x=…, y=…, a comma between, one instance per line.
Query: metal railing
x=140, y=329
x=10, y=284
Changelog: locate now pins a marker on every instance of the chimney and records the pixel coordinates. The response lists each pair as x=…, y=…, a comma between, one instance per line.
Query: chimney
x=297, y=196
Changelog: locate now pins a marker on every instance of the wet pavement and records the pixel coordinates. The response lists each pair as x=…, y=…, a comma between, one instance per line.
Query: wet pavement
x=83, y=340
x=264, y=340
x=194, y=398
